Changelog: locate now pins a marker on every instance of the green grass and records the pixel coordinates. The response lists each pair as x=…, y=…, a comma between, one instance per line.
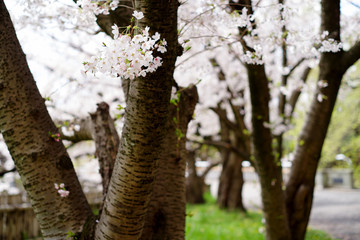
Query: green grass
x=208, y=222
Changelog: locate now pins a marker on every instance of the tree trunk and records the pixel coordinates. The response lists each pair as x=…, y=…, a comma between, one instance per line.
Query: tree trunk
x=233, y=133
x=269, y=170
x=231, y=184
x=107, y=143
x=300, y=188
x=194, y=183
x=146, y=116
x=231, y=178
x=28, y=130
x=166, y=214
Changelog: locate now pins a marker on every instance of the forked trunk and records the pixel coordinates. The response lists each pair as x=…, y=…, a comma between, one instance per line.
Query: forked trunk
x=146, y=116
x=231, y=184
x=300, y=188
x=166, y=214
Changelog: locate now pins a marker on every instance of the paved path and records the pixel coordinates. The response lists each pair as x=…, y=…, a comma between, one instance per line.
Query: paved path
x=335, y=211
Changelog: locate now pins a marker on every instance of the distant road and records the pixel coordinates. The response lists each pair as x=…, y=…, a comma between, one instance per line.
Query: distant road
x=335, y=211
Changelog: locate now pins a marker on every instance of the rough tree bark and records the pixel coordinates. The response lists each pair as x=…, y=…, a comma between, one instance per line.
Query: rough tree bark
x=106, y=141
x=300, y=188
x=175, y=212
x=167, y=202
x=144, y=130
x=40, y=163
x=166, y=213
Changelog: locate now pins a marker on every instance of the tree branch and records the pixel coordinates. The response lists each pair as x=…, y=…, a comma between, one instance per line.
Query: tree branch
x=76, y=130
x=2, y=173
x=208, y=168
x=223, y=117
x=295, y=66
x=225, y=145
x=296, y=93
x=351, y=56
x=107, y=142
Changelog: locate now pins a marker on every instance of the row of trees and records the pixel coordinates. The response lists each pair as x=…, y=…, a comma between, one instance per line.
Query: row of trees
x=144, y=175
x=286, y=212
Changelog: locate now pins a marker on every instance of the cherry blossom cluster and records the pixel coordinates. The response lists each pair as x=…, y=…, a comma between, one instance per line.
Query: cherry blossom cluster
x=253, y=57
x=277, y=126
x=328, y=44
x=61, y=189
x=128, y=56
x=98, y=7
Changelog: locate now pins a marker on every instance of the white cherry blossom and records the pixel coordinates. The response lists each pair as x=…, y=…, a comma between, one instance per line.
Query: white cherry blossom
x=128, y=56
x=138, y=15
x=97, y=7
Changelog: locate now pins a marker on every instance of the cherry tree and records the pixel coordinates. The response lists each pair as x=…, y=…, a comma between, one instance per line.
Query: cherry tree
x=249, y=37
x=277, y=46
x=146, y=114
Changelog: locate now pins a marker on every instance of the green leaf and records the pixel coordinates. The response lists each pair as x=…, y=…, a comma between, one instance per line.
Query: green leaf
x=173, y=101
x=118, y=116
x=284, y=35
x=119, y=107
x=179, y=134
x=246, y=132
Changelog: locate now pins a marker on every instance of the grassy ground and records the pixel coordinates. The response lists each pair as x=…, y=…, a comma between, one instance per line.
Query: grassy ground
x=208, y=222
